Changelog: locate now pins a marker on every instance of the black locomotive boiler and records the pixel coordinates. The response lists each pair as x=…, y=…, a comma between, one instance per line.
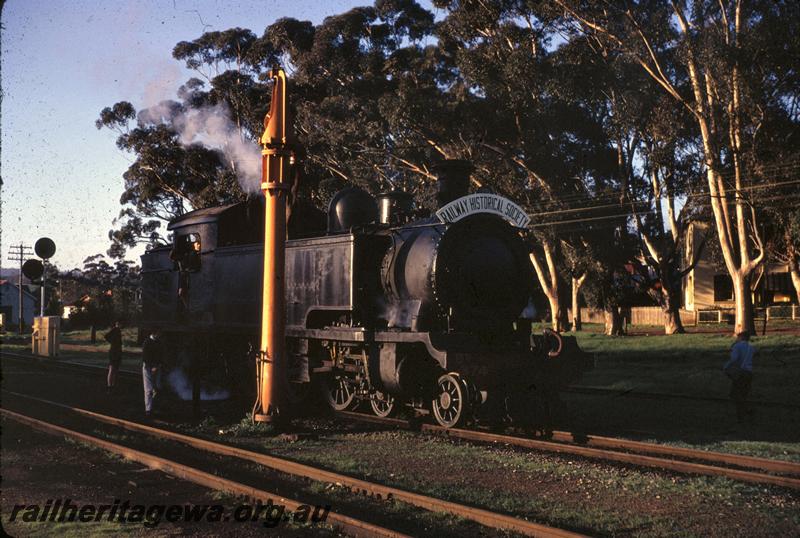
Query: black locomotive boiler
x=381, y=307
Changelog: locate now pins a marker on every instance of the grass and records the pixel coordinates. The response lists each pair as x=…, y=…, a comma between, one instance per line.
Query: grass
x=246, y=427
x=84, y=445
x=502, y=480
x=83, y=337
x=760, y=449
x=691, y=364
x=88, y=353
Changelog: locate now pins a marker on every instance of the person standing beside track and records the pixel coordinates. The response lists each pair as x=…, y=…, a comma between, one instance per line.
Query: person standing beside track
x=113, y=337
x=740, y=369
x=152, y=354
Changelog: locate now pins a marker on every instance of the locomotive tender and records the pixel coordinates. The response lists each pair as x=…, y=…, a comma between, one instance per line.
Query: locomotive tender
x=381, y=306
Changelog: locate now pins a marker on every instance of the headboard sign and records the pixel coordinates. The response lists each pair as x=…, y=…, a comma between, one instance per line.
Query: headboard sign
x=483, y=203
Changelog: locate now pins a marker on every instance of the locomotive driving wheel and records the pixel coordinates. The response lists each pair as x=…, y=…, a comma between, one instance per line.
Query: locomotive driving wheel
x=340, y=392
x=382, y=404
x=451, y=406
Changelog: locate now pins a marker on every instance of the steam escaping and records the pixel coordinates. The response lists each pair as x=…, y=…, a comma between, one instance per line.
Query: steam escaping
x=180, y=383
x=212, y=127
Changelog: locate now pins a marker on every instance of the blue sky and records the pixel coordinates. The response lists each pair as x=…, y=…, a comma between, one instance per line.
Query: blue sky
x=62, y=62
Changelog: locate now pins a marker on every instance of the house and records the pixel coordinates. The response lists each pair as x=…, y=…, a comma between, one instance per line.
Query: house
x=78, y=305
x=709, y=287
x=9, y=305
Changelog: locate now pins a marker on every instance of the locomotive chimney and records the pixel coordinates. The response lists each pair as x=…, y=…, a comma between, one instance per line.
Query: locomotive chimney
x=453, y=180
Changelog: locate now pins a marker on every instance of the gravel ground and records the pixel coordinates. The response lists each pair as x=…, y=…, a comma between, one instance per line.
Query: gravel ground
x=38, y=468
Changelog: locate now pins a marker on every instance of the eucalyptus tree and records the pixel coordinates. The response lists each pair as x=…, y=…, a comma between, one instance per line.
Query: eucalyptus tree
x=783, y=221
x=369, y=90
x=536, y=141
x=729, y=66
x=354, y=80
x=615, y=279
x=652, y=140
x=167, y=176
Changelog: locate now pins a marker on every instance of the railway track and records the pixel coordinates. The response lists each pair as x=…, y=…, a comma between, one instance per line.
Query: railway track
x=635, y=393
x=611, y=393
x=60, y=364
x=651, y=455
x=360, y=487
x=344, y=523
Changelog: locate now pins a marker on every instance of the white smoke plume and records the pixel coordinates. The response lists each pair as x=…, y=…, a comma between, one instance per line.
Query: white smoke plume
x=180, y=383
x=213, y=128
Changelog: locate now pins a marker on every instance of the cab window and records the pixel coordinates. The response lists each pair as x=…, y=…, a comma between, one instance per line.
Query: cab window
x=187, y=252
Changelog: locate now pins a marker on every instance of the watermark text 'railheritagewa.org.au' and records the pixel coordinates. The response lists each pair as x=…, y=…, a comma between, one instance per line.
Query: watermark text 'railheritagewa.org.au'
x=269, y=513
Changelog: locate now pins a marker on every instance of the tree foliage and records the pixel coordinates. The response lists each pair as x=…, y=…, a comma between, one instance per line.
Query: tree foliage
x=110, y=290
x=615, y=124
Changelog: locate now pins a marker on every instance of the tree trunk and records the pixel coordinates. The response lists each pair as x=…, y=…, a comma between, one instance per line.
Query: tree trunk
x=556, y=314
x=672, y=322
x=745, y=229
x=548, y=279
x=671, y=305
x=576, y=304
x=794, y=270
x=613, y=317
x=744, y=304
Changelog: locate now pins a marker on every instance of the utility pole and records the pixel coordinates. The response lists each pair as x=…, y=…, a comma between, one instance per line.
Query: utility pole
x=1, y=243
x=17, y=254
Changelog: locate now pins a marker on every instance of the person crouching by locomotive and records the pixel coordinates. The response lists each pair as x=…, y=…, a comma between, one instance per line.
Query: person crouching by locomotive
x=113, y=337
x=740, y=369
x=152, y=359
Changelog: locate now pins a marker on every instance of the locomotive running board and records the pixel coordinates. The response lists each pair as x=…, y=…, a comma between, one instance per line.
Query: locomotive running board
x=358, y=334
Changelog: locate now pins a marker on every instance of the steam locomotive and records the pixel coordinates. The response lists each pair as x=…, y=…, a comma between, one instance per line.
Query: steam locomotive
x=382, y=307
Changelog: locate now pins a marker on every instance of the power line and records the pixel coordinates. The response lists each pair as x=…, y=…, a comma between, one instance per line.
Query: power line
x=615, y=194
x=648, y=212
x=688, y=196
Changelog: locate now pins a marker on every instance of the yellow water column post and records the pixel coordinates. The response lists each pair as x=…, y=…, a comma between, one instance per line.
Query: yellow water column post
x=277, y=157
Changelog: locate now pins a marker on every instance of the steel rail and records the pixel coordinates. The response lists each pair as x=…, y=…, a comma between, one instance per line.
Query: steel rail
x=345, y=523
x=614, y=455
x=66, y=365
x=750, y=462
x=379, y=491
x=616, y=393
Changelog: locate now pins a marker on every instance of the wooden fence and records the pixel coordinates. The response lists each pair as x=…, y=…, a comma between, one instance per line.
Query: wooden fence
x=726, y=315
x=637, y=315
x=653, y=315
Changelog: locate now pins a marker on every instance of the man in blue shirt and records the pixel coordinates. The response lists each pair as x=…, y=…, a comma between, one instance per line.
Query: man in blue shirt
x=740, y=369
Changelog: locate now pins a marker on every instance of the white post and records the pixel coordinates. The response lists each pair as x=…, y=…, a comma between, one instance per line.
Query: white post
x=44, y=273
